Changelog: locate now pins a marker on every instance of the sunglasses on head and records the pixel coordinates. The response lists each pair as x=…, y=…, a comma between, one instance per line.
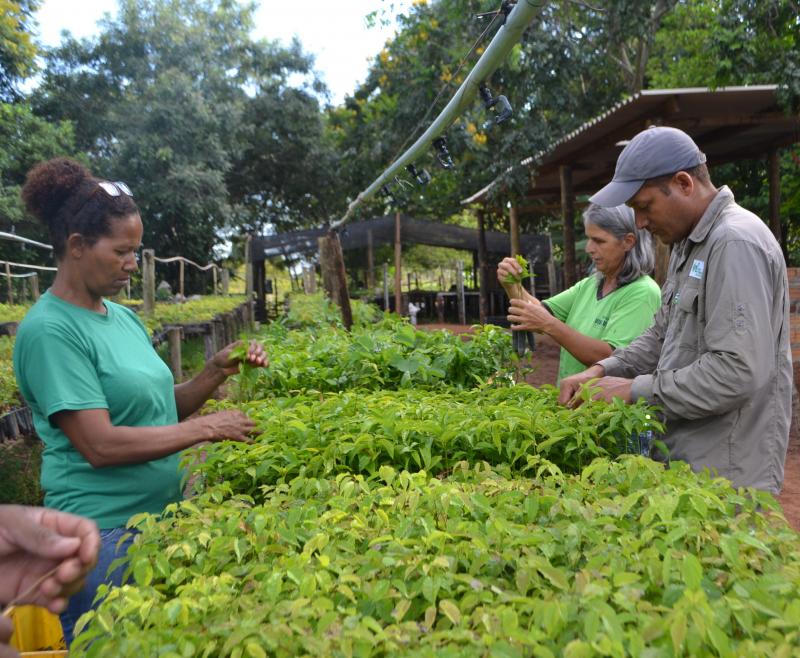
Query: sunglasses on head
x=115, y=189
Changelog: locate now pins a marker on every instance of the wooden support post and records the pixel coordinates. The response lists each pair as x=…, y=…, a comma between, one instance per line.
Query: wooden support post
x=483, y=284
x=341, y=279
x=127, y=288
x=568, y=217
x=370, y=263
x=9, y=285
x=326, y=264
x=226, y=281
x=552, y=276
x=219, y=335
x=462, y=306
x=214, y=280
x=258, y=271
x=149, y=280
x=386, y=287
x=513, y=229
x=208, y=343
x=180, y=279
x=248, y=267
x=532, y=280
x=774, y=173
x=174, y=338
x=35, y=287
x=230, y=327
x=398, y=264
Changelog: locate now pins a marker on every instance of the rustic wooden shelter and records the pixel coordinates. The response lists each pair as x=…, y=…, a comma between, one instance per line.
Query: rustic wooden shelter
x=728, y=124
x=487, y=248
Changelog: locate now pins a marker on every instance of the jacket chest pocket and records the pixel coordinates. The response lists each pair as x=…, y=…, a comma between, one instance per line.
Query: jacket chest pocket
x=688, y=318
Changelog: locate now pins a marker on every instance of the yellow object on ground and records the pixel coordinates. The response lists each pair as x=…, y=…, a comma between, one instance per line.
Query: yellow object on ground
x=37, y=630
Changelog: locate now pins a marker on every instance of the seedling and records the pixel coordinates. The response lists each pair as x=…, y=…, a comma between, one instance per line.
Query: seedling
x=518, y=278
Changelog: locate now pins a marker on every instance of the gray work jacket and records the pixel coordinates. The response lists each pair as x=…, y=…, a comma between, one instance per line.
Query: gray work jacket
x=717, y=358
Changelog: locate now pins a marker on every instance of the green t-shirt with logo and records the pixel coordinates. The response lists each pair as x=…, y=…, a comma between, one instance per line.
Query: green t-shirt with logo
x=617, y=318
x=70, y=358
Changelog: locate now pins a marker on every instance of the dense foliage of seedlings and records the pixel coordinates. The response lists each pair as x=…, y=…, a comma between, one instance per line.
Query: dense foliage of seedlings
x=9, y=395
x=389, y=355
x=624, y=559
x=13, y=312
x=316, y=310
x=194, y=311
x=319, y=435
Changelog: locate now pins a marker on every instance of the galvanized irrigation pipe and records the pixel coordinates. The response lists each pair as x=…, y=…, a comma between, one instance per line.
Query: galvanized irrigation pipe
x=507, y=36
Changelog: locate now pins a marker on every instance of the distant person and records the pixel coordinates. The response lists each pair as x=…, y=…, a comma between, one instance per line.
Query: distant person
x=604, y=311
x=717, y=358
x=33, y=543
x=112, y=420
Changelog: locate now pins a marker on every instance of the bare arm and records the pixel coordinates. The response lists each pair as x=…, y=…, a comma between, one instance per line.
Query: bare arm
x=103, y=444
x=535, y=317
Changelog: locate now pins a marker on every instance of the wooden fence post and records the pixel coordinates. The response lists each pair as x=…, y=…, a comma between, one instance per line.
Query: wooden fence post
x=214, y=280
x=180, y=279
x=208, y=342
x=226, y=281
x=174, y=337
x=248, y=267
x=149, y=280
x=35, y=286
x=386, y=287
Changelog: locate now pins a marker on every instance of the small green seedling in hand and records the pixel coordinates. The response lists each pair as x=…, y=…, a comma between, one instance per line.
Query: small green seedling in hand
x=517, y=278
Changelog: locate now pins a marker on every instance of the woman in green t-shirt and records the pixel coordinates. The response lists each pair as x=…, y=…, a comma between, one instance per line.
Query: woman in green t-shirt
x=605, y=310
x=106, y=407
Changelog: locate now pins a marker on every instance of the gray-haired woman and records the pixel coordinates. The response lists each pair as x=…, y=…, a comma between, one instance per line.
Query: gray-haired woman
x=605, y=310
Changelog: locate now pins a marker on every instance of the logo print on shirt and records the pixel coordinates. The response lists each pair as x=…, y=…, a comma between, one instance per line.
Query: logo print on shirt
x=698, y=267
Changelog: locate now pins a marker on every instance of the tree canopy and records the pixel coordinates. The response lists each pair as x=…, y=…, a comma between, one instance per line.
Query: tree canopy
x=220, y=134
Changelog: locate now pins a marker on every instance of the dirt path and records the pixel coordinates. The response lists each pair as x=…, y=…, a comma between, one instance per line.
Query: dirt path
x=545, y=364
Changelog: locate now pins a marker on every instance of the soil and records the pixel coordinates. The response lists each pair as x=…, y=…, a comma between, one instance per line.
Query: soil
x=545, y=364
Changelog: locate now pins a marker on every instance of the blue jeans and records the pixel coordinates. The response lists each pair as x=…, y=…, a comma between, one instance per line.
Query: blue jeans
x=83, y=600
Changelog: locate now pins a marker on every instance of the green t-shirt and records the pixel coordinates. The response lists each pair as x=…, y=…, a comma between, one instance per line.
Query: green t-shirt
x=70, y=358
x=617, y=318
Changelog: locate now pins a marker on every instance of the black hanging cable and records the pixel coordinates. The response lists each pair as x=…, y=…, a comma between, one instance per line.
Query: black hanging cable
x=495, y=15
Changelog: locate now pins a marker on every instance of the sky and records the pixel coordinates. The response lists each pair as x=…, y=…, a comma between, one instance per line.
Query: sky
x=335, y=31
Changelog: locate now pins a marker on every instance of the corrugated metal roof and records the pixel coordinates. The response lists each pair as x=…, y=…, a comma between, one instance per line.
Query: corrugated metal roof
x=728, y=124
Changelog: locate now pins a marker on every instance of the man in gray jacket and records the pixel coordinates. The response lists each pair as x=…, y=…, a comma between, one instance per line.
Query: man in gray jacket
x=717, y=358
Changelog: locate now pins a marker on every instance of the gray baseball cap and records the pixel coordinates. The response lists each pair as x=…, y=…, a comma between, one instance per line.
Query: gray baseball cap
x=654, y=152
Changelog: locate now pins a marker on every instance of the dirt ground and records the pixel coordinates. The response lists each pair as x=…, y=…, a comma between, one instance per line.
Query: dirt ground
x=545, y=363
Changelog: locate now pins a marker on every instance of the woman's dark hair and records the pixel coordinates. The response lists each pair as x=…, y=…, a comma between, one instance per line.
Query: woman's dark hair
x=64, y=196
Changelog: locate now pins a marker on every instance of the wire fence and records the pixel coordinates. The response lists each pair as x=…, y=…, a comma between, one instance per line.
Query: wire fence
x=22, y=286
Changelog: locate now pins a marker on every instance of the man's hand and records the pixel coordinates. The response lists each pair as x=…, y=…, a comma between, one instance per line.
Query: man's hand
x=570, y=386
x=613, y=387
x=35, y=541
x=6, y=631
